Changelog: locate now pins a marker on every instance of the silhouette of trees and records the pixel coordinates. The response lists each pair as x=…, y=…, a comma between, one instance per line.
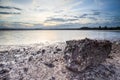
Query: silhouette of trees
x=100, y=28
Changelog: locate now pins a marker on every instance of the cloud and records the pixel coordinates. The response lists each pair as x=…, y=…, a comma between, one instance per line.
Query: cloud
x=92, y=14
x=8, y=13
x=83, y=16
x=57, y=12
x=93, y=18
x=56, y=19
x=61, y=19
x=96, y=13
x=8, y=7
x=99, y=2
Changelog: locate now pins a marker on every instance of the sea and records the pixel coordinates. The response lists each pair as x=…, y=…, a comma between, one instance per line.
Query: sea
x=18, y=37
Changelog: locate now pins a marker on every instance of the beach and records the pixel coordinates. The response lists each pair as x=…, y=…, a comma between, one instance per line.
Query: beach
x=45, y=61
x=59, y=39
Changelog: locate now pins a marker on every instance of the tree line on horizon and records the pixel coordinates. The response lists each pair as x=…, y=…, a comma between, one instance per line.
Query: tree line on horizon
x=101, y=28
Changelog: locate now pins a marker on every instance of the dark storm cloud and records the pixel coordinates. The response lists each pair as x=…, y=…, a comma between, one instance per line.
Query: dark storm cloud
x=8, y=7
x=8, y=13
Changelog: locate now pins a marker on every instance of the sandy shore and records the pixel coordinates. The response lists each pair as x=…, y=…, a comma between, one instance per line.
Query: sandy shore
x=46, y=62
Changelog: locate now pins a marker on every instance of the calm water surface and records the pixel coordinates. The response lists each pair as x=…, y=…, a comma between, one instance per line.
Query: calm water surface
x=37, y=36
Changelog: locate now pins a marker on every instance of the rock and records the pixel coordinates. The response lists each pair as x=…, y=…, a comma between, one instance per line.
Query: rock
x=53, y=78
x=6, y=77
x=54, y=52
x=30, y=58
x=3, y=51
x=50, y=65
x=58, y=49
x=43, y=51
x=38, y=52
x=25, y=69
x=85, y=53
x=1, y=65
x=4, y=74
x=3, y=71
x=110, y=57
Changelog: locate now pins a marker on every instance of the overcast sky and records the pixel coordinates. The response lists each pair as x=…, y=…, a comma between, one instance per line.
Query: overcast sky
x=58, y=13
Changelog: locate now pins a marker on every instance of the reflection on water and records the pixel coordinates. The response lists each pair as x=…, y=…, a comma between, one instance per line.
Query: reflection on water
x=37, y=36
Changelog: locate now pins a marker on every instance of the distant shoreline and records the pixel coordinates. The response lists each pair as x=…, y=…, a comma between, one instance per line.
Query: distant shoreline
x=82, y=28
x=62, y=29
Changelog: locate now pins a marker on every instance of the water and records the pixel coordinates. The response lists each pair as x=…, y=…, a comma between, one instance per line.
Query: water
x=38, y=36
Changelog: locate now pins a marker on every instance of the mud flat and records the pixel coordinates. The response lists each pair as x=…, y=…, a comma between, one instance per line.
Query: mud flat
x=48, y=61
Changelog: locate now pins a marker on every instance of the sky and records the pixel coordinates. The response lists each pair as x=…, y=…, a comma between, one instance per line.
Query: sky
x=59, y=13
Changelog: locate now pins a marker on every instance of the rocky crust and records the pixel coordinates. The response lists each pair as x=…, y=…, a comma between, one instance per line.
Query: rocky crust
x=85, y=53
x=48, y=62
